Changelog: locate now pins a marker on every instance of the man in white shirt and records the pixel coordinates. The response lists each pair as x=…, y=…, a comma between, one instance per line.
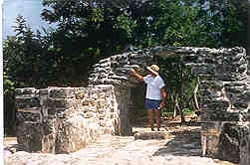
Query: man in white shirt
x=155, y=95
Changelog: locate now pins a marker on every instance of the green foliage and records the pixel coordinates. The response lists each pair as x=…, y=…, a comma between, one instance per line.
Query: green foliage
x=198, y=23
x=89, y=30
x=94, y=24
x=9, y=105
x=22, y=56
x=186, y=111
x=125, y=23
x=180, y=85
x=8, y=84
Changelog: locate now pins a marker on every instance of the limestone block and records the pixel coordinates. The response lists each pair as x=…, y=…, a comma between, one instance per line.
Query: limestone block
x=88, y=115
x=48, y=143
x=26, y=103
x=54, y=110
x=44, y=91
x=229, y=144
x=245, y=95
x=215, y=104
x=211, y=132
x=190, y=58
x=74, y=135
x=80, y=94
x=25, y=91
x=203, y=69
x=239, y=103
x=125, y=125
x=60, y=103
x=151, y=135
x=61, y=92
x=28, y=116
x=221, y=116
x=30, y=135
x=237, y=91
x=119, y=77
x=245, y=145
x=248, y=115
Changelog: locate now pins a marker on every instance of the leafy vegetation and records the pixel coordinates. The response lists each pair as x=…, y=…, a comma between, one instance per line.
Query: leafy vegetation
x=170, y=114
x=181, y=84
x=89, y=30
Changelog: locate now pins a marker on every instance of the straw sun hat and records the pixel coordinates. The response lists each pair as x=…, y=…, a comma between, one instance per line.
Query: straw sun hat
x=154, y=69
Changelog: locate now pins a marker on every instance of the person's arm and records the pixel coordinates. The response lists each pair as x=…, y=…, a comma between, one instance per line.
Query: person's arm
x=164, y=96
x=137, y=75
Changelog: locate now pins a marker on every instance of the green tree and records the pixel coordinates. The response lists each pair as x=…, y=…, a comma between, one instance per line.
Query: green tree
x=90, y=30
x=21, y=53
x=87, y=31
x=195, y=23
x=28, y=61
x=180, y=85
x=28, y=57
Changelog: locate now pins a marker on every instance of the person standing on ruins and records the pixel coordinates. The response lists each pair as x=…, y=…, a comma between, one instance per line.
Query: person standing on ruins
x=155, y=95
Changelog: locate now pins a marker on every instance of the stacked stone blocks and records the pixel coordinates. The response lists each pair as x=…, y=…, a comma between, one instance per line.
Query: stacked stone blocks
x=63, y=120
x=225, y=98
x=224, y=91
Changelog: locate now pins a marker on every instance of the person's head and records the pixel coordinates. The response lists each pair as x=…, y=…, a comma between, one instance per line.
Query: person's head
x=153, y=69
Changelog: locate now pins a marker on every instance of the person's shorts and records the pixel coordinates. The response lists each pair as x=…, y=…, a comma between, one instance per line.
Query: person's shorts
x=152, y=104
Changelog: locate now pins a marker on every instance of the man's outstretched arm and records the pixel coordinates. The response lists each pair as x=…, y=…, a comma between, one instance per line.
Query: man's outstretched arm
x=137, y=75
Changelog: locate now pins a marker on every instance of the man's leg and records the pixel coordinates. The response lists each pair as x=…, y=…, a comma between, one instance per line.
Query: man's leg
x=157, y=118
x=150, y=119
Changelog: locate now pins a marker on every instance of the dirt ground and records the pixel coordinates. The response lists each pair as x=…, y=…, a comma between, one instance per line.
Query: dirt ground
x=180, y=147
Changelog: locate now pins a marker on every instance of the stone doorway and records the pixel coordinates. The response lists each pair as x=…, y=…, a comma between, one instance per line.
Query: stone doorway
x=224, y=89
x=137, y=111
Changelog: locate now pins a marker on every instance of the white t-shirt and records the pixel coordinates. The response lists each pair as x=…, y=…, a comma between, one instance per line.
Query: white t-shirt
x=154, y=85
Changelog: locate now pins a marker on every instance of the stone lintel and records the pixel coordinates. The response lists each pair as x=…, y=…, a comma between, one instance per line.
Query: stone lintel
x=31, y=110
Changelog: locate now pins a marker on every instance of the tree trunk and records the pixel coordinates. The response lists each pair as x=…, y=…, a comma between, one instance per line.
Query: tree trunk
x=181, y=106
x=182, y=117
x=174, y=107
x=179, y=110
x=177, y=107
x=195, y=95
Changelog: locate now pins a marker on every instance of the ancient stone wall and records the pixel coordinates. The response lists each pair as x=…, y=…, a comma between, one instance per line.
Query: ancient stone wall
x=224, y=88
x=62, y=120
x=116, y=69
x=225, y=98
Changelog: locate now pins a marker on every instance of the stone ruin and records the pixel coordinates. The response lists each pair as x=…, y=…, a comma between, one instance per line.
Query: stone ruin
x=65, y=119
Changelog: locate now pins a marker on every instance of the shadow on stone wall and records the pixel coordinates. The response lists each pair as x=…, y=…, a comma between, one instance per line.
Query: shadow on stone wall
x=137, y=110
x=229, y=144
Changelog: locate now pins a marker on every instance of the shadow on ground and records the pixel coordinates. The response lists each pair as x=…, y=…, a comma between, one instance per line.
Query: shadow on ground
x=185, y=142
